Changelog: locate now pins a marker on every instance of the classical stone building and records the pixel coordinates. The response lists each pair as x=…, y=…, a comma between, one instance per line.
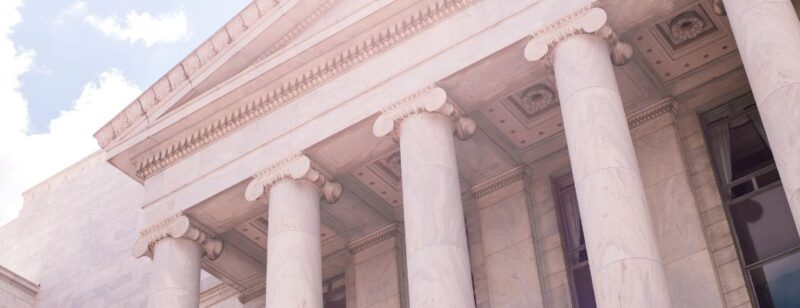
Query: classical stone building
x=441, y=153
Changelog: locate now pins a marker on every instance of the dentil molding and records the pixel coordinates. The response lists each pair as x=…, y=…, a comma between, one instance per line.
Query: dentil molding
x=304, y=82
x=377, y=237
x=253, y=292
x=297, y=167
x=587, y=20
x=431, y=99
x=177, y=227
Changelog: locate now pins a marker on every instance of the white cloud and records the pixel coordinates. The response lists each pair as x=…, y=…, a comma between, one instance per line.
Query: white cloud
x=135, y=27
x=27, y=159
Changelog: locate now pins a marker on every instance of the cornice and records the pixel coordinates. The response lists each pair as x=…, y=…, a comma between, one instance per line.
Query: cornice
x=178, y=77
x=587, y=20
x=25, y=284
x=296, y=167
x=511, y=176
x=430, y=99
x=296, y=30
x=375, y=238
x=654, y=111
x=253, y=292
x=303, y=83
x=177, y=226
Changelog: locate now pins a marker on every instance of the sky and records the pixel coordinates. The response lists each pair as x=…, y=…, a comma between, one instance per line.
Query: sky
x=68, y=66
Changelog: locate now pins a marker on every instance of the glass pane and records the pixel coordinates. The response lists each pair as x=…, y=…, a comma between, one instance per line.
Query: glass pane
x=741, y=189
x=749, y=152
x=777, y=284
x=579, y=257
x=768, y=178
x=583, y=287
x=572, y=218
x=335, y=299
x=764, y=225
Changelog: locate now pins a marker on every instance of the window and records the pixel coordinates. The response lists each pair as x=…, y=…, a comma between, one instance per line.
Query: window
x=575, y=256
x=755, y=203
x=334, y=293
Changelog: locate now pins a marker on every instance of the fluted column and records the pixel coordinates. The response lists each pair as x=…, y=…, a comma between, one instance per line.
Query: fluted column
x=294, y=258
x=176, y=247
x=436, y=244
x=767, y=33
x=620, y=238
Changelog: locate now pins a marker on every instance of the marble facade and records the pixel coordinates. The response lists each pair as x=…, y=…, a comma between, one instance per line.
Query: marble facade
x=337, y=153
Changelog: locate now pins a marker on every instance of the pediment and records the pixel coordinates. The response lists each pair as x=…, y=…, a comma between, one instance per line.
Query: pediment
x=262, y=29
x=254, y=78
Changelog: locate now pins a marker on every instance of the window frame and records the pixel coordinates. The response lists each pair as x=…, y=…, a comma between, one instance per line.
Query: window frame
x=558, y=185
x=731, y=109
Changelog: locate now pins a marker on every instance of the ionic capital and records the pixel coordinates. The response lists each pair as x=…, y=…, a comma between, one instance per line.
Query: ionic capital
x=298, y=167
x=589, y=20
x=432, y=99
x=177, y=227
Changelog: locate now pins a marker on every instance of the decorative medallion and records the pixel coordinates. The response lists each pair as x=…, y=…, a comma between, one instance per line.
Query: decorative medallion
x=686, y=27
x=534, y=100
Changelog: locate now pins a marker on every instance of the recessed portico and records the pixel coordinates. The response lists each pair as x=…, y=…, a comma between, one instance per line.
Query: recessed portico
x=416, y=122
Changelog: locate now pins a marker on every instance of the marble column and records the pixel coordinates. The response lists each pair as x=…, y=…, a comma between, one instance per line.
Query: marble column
x=436, y=244
x=294, y=258
x=623, y=252
x=767, y=33
x=176, y=247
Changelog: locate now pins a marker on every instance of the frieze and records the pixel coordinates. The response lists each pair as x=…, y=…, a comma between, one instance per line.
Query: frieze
x=497, y=183
x=652, y=112
x=376, y=238
x=253, y=292
x=305, y=82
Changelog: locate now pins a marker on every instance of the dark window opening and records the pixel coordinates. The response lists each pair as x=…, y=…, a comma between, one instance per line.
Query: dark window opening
x=755, y=202
x=574, y=244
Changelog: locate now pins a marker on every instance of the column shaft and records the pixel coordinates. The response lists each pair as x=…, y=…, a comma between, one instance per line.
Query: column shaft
x=176, y=274
x=294, y=257
x=436, y=244
x=623, y=252
x=767, y=33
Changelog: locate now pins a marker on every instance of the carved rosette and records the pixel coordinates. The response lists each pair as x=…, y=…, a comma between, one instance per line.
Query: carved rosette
x=178, y=226
x=298, y=167
x=589, y=20
x=432, y=99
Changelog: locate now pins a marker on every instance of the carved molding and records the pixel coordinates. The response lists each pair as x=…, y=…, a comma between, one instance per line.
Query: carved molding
x=178, y=77
x=297, y=167
x=587, y=20
x=512, y=176
x=305, y=82
x=654, y=111
x=253, y=292
x=375, y=238
x=177, y=226
x=431, y=99
x=296, y=30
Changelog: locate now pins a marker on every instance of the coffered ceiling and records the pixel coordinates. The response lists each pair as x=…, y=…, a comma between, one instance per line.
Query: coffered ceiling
x=516, y=105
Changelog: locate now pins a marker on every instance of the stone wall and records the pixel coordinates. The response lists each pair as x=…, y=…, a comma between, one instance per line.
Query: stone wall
x=707, y=196
x=74, y=237
x=509, y=252
x=682, y=243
